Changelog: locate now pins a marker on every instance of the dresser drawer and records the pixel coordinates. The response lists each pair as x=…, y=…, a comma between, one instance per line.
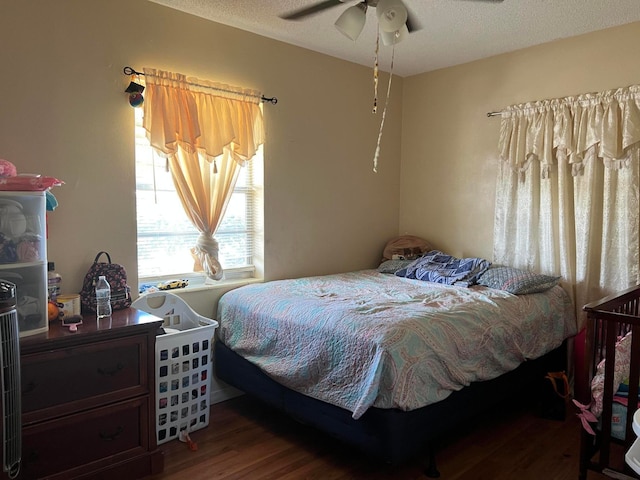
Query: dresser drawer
x=69, y=380
x=85, y=441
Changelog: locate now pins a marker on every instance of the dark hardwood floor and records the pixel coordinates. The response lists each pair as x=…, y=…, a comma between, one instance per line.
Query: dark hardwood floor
x=247, y=440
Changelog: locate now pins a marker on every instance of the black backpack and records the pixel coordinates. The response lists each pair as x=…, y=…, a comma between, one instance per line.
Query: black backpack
x=116, y=275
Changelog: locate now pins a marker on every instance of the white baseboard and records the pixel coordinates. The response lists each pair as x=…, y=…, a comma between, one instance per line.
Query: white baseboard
x=221, y=391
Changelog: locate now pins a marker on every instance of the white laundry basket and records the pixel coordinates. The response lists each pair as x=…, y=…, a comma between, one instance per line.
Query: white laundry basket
x=183, y=365
x=632, y=457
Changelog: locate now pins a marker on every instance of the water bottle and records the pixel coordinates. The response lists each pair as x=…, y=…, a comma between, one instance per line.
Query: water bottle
x=103, y=298
x=54, y=282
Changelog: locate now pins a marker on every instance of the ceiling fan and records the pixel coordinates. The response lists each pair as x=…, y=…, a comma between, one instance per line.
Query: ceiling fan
x=394, y=24
x=395, y=20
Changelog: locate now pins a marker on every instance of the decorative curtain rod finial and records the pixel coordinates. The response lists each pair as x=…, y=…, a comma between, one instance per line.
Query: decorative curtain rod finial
x=131, y=71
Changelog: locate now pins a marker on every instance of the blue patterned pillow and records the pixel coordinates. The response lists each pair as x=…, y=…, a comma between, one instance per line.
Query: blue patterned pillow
x=438, y=267
x=516, y=281
x=392, y=266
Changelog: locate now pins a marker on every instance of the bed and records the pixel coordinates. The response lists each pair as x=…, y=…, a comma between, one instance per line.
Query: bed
x=612, y=376
x=387, y=363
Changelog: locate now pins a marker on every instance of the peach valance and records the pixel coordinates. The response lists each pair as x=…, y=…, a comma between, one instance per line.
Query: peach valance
x=201, y=116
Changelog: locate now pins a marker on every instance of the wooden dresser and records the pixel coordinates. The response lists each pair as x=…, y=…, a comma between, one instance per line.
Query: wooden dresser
x=88, y=400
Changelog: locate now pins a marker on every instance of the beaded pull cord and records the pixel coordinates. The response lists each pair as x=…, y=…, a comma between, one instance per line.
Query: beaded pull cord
x=376, y=155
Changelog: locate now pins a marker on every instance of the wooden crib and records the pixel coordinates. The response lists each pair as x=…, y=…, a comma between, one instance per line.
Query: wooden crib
x=607, y=321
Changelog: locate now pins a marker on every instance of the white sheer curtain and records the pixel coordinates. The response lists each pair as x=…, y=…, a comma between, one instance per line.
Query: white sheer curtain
x=567, y=200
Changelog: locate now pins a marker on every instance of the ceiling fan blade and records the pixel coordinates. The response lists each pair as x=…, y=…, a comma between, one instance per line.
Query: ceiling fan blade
x=303, y=12
x=412, y=24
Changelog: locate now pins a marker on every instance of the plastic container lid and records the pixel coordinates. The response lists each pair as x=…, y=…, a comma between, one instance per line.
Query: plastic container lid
x=636, y=423
x=7, y=295
x=632, y=457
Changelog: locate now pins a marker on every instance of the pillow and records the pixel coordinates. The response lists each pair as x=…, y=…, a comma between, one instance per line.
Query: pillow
x=392, y=266
x=516, y=281
x=409, y=247
x=438, y=267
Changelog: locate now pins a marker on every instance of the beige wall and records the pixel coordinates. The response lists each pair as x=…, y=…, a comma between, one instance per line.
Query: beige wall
x=449, y=146
x=63, y=113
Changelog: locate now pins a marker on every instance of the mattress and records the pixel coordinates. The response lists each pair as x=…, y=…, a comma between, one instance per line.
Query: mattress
x=363, y=339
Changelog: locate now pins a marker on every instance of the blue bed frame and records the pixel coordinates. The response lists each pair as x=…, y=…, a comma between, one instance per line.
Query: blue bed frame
x=391, y=435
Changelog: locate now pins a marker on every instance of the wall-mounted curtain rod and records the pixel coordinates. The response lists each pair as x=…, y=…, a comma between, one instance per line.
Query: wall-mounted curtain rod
x=272, y=100
x=493, y=114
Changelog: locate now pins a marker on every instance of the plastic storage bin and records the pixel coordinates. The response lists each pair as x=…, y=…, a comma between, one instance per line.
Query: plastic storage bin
x=23, y=256
x=632, y=457
x=183, y=365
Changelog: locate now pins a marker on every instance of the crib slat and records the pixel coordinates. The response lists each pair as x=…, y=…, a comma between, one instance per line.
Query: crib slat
x=608, y=320
x=607, y=406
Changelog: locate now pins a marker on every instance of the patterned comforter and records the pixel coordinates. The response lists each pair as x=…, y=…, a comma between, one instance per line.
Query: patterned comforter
x=364, y=338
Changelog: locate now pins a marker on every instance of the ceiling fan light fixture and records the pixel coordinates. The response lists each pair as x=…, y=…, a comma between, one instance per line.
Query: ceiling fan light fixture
x=352, y=20
x=392, y=38
x=392, y=15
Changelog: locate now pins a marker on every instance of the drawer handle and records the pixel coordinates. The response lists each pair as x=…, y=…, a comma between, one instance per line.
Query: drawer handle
x=108, y=437
x=111, y=372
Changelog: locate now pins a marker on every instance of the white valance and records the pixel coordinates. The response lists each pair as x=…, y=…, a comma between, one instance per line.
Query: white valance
x=605, y=125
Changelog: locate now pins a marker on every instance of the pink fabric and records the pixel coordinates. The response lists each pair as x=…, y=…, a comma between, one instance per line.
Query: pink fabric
x=28, y=183
x=620, y=372
x=590, y=412
x=7, y=169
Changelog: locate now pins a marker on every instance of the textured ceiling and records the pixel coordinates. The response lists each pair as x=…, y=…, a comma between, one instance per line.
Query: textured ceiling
x=452, y=31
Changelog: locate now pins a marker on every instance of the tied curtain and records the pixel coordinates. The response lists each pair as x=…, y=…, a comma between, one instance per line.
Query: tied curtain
x=207, y=131
x=567, y=198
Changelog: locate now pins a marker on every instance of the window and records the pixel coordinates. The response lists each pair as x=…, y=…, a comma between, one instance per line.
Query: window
x=165, y=234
